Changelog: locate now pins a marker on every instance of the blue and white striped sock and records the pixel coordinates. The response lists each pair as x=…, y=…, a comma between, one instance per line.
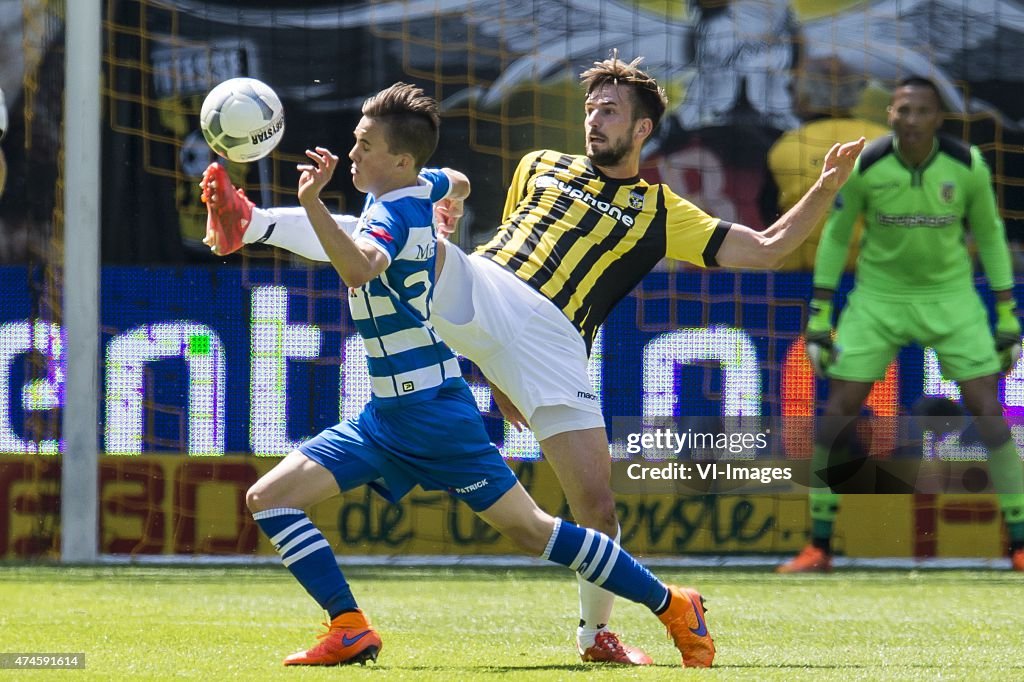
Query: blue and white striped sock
x=600, y=560
x=307, y=554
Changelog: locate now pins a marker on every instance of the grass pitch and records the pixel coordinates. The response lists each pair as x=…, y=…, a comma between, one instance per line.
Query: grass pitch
x=452, y=625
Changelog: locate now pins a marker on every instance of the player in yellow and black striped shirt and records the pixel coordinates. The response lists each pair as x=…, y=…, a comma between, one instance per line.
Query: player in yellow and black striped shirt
x=584, y=230
x=579, y=232
x=584, y=239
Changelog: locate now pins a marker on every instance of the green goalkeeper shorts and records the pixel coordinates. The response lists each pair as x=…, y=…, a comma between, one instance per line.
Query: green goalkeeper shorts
x=871, y=332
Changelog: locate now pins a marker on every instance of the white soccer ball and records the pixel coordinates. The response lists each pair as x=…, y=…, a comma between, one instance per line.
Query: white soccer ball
x=242, y=119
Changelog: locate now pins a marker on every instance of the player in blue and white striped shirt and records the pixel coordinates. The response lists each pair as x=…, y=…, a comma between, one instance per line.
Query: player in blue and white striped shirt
x=407, y=361
x=422, y=425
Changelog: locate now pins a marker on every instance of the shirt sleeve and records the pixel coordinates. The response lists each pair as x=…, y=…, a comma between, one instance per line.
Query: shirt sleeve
x=987, y=227
x=517, y=189
x=691, y=235
x=830, y=260
x=381, y=229
x=440, y=184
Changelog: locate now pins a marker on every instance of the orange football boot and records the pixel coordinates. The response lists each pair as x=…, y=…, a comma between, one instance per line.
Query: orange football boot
x=608, y=649
x=684, y=620
x=1017, y=560
x=349, y=639
x=228, y=211
x=811, y=559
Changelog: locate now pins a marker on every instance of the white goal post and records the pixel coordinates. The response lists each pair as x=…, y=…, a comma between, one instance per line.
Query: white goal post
x=81, y=284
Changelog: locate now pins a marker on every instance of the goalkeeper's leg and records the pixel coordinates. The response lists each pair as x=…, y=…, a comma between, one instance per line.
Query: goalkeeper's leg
x=981, y=398
x=832, y=447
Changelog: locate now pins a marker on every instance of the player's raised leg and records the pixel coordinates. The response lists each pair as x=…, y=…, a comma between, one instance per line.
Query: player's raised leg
x=278, y=502
x=600, y=560
x=228, y=211
x=232, y=221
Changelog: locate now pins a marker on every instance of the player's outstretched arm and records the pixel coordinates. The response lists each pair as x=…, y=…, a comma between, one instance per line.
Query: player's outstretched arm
x=356, y=263
x=744, y=247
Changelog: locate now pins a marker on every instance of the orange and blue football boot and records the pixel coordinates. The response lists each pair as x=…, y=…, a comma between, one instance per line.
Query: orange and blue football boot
x=1017, y=559
x=811, y=559
x=608, y=649
x=228, y=211
x=349, y=639
x=684, y=620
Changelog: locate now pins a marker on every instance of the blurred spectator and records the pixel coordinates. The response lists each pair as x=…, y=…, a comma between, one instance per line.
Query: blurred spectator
x=743, y=53
x=712, y=148
x=825, y=93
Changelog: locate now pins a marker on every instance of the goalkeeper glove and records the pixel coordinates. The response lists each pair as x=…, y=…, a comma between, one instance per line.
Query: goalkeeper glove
x=1008, y=334
x=818, y=335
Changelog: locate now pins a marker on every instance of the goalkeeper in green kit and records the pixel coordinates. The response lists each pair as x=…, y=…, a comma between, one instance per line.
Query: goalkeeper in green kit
x=919, y=192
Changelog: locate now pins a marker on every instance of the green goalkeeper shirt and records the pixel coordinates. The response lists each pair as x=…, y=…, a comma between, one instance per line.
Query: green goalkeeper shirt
x=915, y=222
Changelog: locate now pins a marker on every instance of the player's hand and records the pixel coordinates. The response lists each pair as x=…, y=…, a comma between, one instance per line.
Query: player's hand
x=447, y=213
x=316, y=175
x=839, y=164
x=818, y=337
x=1008, y=334
x=509, y=411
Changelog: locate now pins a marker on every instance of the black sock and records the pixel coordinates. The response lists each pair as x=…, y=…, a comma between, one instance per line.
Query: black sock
x=824, y=544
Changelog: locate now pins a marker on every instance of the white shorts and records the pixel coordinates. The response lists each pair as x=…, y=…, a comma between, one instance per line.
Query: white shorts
x=519, y=340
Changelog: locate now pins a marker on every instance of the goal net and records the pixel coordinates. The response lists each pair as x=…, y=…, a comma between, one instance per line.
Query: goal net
x=213, y=368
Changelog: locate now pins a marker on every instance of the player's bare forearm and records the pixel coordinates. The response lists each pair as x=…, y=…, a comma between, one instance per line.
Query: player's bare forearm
x=745, y=247
x=796, y=224
x=356, y=264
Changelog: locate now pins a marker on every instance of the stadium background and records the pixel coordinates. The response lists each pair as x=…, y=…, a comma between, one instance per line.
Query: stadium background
x=187, y=340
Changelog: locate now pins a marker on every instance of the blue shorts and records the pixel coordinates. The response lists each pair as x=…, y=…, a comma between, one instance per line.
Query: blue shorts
x=439, y=444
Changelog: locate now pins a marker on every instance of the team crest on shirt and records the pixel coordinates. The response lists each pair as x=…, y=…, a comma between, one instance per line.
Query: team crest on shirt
x=948, y=192
x=636, y=200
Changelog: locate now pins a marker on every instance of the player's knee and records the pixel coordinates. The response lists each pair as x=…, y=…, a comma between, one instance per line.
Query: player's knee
x=257, y=497
x=597, y=511
x=993, y=432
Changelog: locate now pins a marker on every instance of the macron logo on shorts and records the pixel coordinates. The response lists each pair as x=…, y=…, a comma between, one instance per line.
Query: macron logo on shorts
x=471, y=488
x=586, y=396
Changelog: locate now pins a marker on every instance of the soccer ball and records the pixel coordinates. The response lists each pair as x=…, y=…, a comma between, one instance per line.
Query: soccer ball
x=242, y=119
